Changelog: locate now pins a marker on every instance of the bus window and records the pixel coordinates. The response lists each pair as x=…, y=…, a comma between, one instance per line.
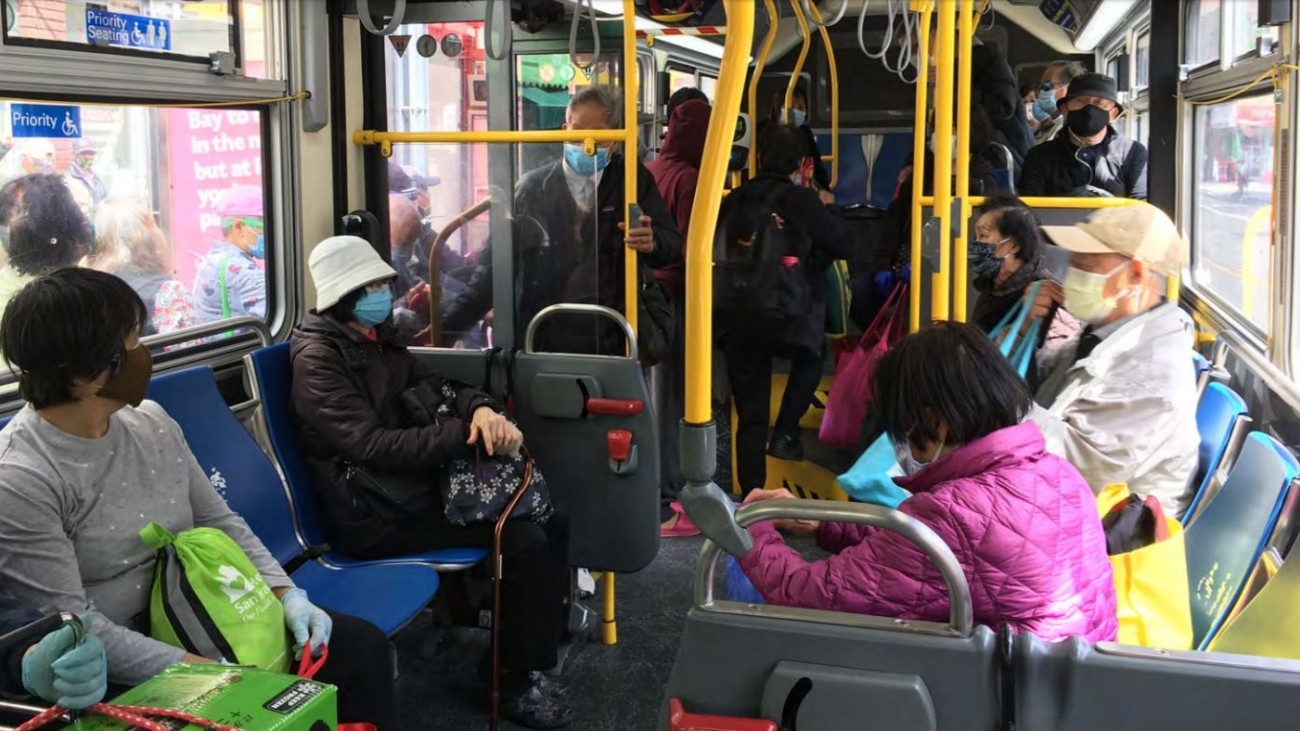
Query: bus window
x=1232, y=188
x=176, y=197
x=680, y=79
x=1247, y=35
x=188, y=28
x=1142, y=62
x=709, y=85
x=544, y=84
x=1202, y=33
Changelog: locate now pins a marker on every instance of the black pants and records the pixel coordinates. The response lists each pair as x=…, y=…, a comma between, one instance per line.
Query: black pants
x=535, y=577
x=360, y=667
x=672, y=407
x=749, y=368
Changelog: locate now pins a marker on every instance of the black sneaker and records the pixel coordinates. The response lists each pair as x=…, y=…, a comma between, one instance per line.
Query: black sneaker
x=531, y=699
x=788, y=447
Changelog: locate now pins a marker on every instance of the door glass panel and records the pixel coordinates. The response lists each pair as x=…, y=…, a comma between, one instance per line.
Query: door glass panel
x=1232, y=211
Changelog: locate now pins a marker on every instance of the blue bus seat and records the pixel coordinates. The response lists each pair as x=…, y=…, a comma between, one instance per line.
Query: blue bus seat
x=1222, y=422
x=1202, y=366
x=1264, y=626
x=1226, y=540
x=270, y=383
x=386, y=595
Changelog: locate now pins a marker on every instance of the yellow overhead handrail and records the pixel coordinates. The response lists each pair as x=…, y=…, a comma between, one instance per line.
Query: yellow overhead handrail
x=966, y=35
x=763, y=53
x=835, y=92
x=704, y=214
x=799, y=62
x=925, y=9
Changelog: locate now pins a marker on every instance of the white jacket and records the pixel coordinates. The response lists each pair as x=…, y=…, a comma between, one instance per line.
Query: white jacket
x=1127, y=412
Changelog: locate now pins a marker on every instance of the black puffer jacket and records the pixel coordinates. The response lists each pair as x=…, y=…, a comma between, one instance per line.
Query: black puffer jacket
x=1117, y=165
x=345, y=404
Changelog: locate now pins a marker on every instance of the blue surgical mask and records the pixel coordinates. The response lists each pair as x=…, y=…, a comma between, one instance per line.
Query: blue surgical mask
x=582, y=163
x=798, y=117
x=374, y=307
x=259, y=247
x=1045, y=105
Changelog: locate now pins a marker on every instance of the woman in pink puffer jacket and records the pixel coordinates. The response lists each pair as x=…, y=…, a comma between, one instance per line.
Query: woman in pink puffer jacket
x=1021, y=521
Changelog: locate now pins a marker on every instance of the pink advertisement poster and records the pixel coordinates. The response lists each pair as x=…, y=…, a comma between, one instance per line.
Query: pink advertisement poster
x=210, y=150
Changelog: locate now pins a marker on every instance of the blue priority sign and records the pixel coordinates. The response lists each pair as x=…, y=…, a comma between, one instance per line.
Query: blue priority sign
x=127, y=31
x=56, y=121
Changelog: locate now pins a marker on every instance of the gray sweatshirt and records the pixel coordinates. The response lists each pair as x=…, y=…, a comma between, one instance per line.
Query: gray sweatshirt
x=71, y=510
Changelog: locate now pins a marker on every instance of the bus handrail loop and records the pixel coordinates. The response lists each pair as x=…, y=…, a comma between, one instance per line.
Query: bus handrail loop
x=574, y=309
x=961, y=614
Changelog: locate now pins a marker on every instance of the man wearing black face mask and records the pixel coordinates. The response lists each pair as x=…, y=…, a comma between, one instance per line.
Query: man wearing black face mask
x=1090, y=157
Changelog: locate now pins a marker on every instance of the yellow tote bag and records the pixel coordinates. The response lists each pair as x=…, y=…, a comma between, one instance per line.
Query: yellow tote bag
x=1152, y=597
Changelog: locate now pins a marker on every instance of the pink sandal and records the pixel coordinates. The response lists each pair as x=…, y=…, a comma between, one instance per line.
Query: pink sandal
x=682, y=528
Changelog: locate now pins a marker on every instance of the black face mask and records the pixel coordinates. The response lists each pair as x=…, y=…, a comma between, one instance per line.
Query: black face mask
x=983, y=263
x=1088, y=121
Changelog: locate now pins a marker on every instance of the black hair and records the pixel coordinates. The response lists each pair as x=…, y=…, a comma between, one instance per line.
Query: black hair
x=1017, y=222
x=44, y=227
x=949, y=373
x=1025, y=89
x=781, y=149
x=778, y=101
x=95, y=313
x=681, y=96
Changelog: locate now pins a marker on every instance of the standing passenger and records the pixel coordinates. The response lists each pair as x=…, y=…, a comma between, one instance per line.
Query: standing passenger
x=1092, y=156
x=1120, y=402
x=749, y=348
x=677, y=173
x=230, y=283
x=129, y=245
x=1055, y=82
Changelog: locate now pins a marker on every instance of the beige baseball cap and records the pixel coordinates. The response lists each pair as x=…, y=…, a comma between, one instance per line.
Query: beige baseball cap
x=1138, y=231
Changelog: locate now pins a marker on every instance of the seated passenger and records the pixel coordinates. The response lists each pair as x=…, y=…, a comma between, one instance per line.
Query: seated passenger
x=1091, y=157
x=1021, y=521
x=41, y=228
x=51, y=667
x=1119, y=402
x=818, y=238
x=88, y=462
x=349, y=378
x=1006, y=258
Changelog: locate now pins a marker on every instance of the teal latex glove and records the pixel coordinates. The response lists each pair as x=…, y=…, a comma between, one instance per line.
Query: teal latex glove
x=73, y=676
x=307, y=622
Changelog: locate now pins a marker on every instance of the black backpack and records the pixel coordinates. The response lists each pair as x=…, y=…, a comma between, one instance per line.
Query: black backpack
x=759, y=270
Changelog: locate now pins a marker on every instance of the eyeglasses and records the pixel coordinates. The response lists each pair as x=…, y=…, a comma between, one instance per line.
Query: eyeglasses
x=379, y=286
x=1047, y=86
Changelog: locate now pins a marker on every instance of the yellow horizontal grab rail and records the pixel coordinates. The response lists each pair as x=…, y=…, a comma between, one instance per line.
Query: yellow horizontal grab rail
x=1051, y=202
x=589, y=137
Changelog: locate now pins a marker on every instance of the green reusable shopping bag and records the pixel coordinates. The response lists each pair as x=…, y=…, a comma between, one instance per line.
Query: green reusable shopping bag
x=208, y=599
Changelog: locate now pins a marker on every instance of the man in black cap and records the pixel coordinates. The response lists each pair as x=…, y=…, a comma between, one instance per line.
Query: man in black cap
x=1090, y=157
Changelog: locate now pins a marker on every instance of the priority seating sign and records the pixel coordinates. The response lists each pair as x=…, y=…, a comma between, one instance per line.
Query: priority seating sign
x=48, y=121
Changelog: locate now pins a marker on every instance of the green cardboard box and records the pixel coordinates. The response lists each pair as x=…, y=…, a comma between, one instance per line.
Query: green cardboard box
x=246, y=698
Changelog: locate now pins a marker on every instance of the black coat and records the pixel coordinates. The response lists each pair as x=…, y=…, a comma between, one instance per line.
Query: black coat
x=994, y=89
x=563, y=254
x=826, y=236
x=14, y=615
x=345, y=404
x=1058, y=168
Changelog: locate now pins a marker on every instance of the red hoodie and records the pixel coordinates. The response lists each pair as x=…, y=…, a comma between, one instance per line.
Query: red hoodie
x=677, y=173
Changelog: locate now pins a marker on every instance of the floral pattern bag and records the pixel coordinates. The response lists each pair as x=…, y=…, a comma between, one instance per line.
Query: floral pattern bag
x=477, y=487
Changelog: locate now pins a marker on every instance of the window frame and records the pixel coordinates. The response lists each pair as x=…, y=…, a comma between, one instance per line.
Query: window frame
x=236, y=41
x=78, y=74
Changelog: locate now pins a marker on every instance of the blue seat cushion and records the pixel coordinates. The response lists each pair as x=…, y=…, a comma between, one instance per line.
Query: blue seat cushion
x=386, y=595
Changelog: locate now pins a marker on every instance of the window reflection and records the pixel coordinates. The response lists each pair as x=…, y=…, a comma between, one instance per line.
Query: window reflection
x=1201, y=40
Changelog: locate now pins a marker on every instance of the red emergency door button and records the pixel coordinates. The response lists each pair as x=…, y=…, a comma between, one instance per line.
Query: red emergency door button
x=620, y=445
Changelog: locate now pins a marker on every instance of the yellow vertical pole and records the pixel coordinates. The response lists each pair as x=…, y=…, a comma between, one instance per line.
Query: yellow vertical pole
x=631, y=283
x=835, y=95
x=763, y=53
x=803, y=56
x=918, y=156
x=939, y=300
x=966, y=30
x=704, y=215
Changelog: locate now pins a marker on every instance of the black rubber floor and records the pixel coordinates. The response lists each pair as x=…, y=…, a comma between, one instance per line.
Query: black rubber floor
x=618, y=687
